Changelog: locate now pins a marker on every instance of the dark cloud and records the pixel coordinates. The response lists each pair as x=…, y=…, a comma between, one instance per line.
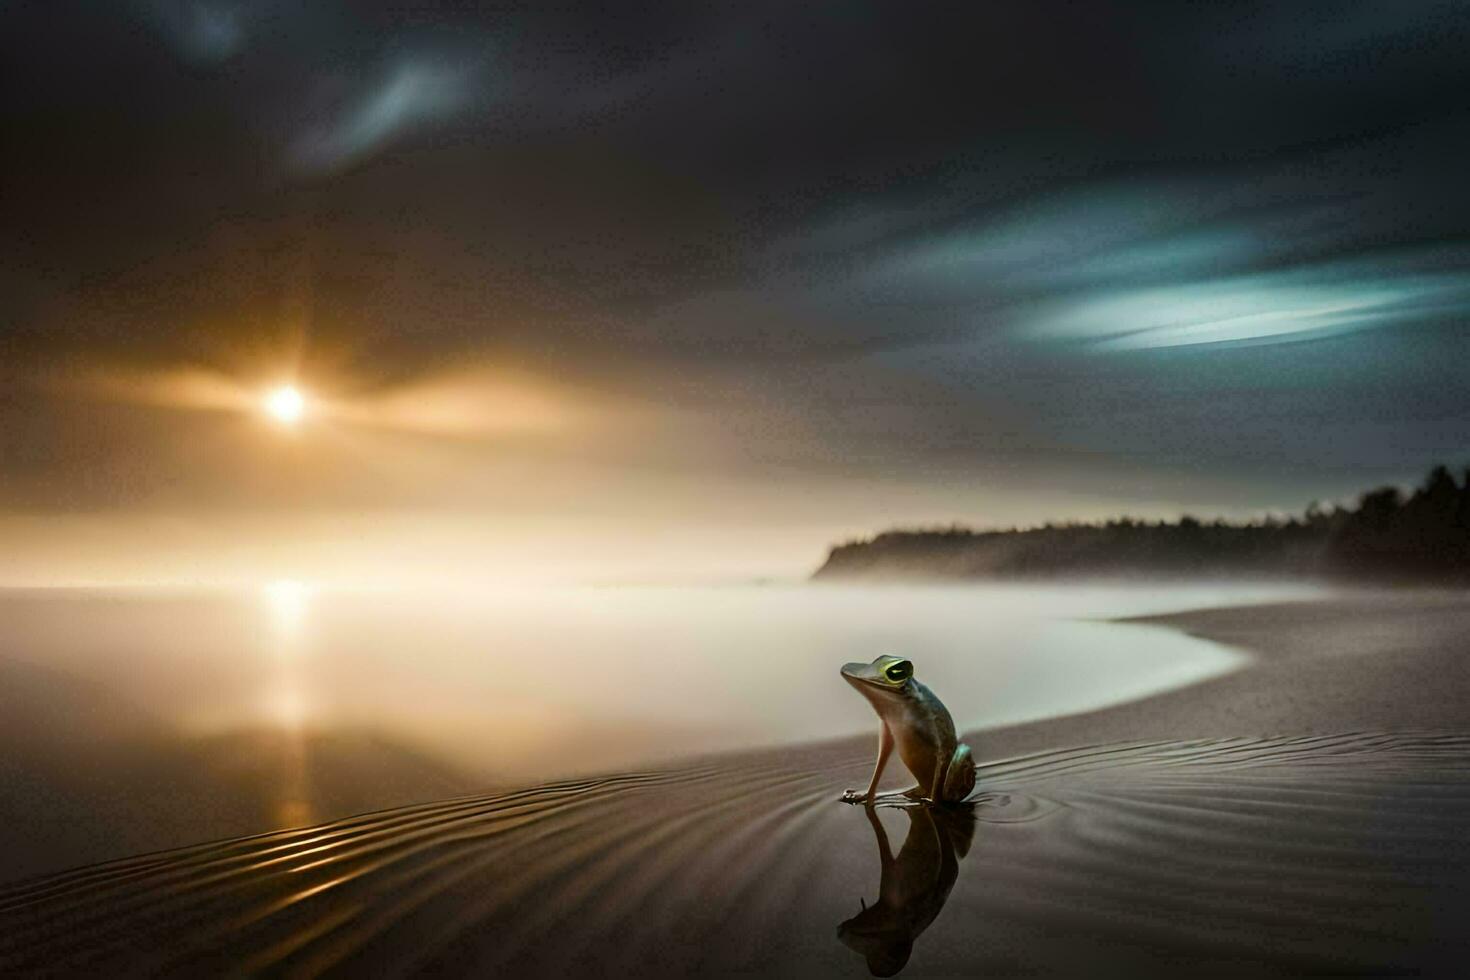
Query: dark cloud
x=1180, y=237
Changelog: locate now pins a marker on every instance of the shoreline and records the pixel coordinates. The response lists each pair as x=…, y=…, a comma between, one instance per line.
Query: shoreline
x=1384, y=661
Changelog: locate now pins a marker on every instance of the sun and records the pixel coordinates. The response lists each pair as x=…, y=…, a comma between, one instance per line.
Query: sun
x=285, y=404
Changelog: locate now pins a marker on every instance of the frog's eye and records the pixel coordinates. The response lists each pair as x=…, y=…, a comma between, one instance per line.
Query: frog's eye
x=899, y=671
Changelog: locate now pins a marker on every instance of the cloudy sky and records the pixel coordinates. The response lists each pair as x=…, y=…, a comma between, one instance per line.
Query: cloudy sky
x=695, y=289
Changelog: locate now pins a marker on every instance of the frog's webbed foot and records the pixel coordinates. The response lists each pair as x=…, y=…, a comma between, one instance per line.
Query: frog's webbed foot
x=856, y=796
x=913, y=794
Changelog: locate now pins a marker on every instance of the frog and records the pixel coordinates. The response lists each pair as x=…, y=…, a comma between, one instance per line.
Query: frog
x=914, y=720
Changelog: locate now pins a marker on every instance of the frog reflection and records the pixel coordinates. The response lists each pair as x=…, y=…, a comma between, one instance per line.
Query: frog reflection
x=914, y=885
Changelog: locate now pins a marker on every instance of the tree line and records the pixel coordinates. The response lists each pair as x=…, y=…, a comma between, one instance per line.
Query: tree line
x=1422, y=536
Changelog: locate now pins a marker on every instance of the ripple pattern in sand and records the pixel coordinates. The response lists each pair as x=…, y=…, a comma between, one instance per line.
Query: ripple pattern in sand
x=1322, y=852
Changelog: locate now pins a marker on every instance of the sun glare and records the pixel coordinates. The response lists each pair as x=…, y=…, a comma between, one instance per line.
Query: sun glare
x=288, y=599
x=285, y=404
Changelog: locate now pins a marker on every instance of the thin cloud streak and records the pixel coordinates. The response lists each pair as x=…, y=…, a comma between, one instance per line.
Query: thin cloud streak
x=413, y=93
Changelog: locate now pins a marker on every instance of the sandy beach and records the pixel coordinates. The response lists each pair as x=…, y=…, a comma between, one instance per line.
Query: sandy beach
x=1302, y=814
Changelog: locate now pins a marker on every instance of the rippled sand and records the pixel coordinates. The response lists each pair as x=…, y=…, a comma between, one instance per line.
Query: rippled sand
x=1325, y=853
x=1328, y=852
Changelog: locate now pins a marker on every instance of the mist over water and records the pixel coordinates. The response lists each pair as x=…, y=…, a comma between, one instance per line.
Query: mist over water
x=518, y=685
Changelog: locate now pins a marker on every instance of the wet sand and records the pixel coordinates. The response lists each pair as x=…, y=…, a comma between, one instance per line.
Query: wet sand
x=1306, y=813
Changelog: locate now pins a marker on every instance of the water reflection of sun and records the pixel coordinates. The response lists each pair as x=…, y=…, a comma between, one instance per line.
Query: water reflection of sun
x=287, y=600
x=287, y=706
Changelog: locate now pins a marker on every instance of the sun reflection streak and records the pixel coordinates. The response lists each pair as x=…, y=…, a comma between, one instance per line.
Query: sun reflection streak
x=288, y=600
x=288, y=607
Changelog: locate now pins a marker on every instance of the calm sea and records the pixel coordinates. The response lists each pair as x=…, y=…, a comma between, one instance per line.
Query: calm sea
x=519, y=685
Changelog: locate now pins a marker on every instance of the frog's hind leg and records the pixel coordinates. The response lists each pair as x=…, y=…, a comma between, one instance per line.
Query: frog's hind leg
x=959, y=781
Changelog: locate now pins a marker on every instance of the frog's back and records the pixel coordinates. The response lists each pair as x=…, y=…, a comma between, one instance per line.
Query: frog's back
x=930, y=713
x=959, y=776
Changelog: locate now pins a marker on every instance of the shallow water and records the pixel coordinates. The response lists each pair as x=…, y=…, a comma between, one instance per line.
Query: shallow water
x=512, y=685
x=1244, y=856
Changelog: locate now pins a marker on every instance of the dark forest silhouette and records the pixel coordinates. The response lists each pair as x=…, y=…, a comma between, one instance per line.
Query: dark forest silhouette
x=1423, y=536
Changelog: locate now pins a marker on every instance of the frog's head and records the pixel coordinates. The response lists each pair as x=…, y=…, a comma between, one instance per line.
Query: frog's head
x=885, y=677
x=881, y=935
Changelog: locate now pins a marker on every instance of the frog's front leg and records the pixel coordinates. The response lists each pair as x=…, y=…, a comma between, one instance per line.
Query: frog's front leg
x=885, y=749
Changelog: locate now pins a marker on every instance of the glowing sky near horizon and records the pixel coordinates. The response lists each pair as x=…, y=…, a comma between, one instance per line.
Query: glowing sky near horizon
x=698, y=290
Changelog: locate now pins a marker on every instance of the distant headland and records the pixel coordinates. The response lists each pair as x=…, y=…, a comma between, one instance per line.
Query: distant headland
x=1422, y=537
